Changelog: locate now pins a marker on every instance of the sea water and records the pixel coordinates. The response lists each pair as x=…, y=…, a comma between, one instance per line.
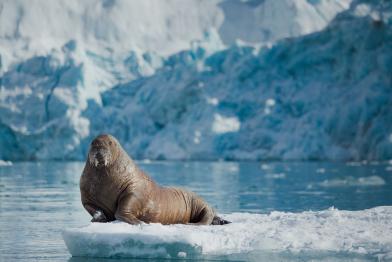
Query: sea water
x=283, y=211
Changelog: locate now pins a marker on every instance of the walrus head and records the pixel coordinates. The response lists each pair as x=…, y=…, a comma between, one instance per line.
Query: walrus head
x=103, y=151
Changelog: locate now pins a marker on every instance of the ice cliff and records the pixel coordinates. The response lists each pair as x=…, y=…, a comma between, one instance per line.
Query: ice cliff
x=203, y=85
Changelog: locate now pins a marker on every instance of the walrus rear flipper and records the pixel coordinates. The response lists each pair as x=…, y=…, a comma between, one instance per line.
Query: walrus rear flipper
x=219, y=221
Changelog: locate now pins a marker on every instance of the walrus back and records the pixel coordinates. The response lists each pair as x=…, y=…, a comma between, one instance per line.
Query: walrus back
x=185, y=207
x=174, y=206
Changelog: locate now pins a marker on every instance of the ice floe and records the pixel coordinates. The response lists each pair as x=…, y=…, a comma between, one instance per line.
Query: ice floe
x=364, y=233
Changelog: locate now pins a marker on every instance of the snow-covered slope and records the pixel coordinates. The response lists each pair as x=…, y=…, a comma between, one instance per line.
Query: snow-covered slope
x=326, y=95
x=265, y=21
x=163, y=26
x=110, y=38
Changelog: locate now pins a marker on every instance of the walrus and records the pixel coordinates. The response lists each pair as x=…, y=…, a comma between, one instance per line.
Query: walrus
x=114, y=188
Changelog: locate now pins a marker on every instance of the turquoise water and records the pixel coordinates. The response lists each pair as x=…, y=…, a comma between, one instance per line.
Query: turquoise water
x=38, y=200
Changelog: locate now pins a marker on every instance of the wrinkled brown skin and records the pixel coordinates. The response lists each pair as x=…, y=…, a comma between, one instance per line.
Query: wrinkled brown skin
x=120, y=190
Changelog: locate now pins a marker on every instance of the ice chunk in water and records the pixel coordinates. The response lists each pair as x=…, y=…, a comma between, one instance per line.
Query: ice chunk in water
x=363, y=233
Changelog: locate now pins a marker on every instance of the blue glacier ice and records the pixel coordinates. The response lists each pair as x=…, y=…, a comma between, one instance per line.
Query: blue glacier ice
x=40, y=103
x=326, y=95
x=323, y=95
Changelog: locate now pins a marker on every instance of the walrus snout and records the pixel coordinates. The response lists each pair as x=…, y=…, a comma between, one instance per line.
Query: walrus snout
x=102, y=150
x=99, y=157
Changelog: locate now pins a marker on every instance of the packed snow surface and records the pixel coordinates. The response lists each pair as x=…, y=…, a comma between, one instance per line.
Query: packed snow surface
x=218, y=81
x=364, y=233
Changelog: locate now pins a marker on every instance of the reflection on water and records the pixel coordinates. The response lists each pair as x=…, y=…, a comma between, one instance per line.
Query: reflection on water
x=39, y=200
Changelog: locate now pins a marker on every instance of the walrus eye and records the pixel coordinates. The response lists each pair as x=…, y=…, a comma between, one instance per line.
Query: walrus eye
x=110, y=143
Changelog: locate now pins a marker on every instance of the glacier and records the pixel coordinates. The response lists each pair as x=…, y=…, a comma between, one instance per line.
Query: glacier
x=331, y=233
x=215, y=89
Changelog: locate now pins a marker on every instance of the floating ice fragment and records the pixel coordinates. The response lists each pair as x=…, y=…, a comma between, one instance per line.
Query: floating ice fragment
x=352, y=181
x=320, y=170
x=196, y=138
x=267, y=110
x=270, y=102
x=265, y=167
x=353, y=163
x=233, y=167
x=212, y=101
x=5, y=163
x=276, y=176
x=367, y=232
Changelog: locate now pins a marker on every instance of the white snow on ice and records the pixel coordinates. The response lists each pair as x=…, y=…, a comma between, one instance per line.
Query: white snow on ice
x=367, y=232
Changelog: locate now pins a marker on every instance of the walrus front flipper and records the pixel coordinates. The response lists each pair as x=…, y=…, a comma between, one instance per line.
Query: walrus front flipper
x=100, y=217
x=219, y=221
x=126, y=204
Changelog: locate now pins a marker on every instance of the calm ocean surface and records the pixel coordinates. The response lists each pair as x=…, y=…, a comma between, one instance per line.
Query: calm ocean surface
x=40, y=199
